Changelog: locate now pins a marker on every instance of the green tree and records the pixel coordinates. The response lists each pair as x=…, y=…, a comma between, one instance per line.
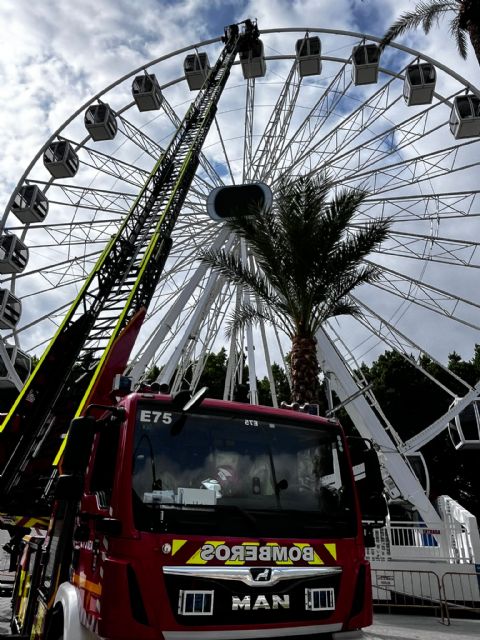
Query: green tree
x=464, y=23
x=282, y=388
x=152, y=374
x=309, y=260
x=214, y=373
x=411, y=402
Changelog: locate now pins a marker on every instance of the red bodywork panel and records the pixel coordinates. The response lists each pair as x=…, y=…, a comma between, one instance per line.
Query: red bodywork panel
x=131, y=584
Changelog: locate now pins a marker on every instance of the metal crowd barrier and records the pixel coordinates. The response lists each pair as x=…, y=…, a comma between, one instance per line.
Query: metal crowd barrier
x=398, y=589
x=461, y=594
x=455, y=594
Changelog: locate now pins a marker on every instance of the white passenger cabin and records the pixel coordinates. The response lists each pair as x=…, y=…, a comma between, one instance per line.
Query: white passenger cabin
x=21, y=364
x=61, y=160
x=465, y=429
x=365, y=62
x=197, y=68
x=100, y=122
x=465, y=117
x=253, y=61
x=419, y=83
x=308, y=51
x=30, y=204
x=10, y=309
x=13, y=254
x=146, y=92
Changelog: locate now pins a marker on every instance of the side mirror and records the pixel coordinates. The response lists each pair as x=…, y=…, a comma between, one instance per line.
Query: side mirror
x=79, y=445
x=370, y=490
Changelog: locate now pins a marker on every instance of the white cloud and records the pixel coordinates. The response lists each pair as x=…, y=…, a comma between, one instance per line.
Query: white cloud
x=55, y=55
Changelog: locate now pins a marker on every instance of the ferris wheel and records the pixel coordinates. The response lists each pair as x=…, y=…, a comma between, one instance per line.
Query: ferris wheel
x=397, y=123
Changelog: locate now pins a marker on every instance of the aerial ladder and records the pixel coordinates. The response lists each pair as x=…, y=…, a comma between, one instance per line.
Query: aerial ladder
x=116, y=294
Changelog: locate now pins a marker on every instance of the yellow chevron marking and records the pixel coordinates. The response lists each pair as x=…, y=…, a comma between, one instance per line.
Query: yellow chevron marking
x=80, y=579
x=176, y=545
x=331, y=547
x=197, y=559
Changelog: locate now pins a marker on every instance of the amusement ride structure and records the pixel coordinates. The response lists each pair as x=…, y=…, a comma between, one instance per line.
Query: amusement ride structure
x=109, y=217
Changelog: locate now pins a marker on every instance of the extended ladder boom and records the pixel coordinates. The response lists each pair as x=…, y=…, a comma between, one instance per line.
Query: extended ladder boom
x=122, y=282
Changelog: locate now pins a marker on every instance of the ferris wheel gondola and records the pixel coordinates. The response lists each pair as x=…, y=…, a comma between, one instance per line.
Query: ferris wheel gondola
x=362, y=132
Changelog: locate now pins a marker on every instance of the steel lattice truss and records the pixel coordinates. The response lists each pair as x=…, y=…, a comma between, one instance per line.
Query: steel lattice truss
x=416, y=173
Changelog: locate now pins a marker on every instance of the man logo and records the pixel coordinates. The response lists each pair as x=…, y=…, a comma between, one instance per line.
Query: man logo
x=267, y=602
x=261, y=575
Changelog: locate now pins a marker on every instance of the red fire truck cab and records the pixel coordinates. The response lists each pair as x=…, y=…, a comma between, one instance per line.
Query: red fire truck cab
x=202, y=519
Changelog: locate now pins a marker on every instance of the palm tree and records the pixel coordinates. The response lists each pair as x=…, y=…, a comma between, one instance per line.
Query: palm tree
x=308, y=259
x=465, y=22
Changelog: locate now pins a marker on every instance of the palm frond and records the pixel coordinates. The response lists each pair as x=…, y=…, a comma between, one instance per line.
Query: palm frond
x=458, y=33
x=307, y=256
x=327, y=305
x=345, y=307
x=425, y=14
x=362, y=241
x=247, y=314
x=232, y=268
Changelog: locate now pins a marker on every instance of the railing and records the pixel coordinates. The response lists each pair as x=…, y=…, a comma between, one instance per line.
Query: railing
x=461, y=593
x=453, y=594
x=397, y=589
x=410, y=541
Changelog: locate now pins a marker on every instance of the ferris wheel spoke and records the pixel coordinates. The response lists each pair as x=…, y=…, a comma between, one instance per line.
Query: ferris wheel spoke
x=139, y=138
x=413, y=171
x=195, y=277
x=376, y=149
x=87, y=197
x=399, y=342
x=426, y=207
x=426, y=295
x=248, y=130
x=224, y=151
x=155, y=151
x=318, y=152
x=111, y=165
x=303, y=138
x=73, y=281
x=54, y=317
x=92, y=257
x=450, y=251
x=202, y=334
x=274, y=137
x=210, y=171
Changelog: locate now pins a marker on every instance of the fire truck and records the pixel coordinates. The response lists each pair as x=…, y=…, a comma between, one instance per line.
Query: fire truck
x=175, y=516
x=187, y=517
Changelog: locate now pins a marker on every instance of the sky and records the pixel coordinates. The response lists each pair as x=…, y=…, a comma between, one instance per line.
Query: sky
x=54, y=55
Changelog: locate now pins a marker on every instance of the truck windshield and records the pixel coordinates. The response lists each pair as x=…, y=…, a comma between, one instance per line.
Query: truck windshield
x=223, y=475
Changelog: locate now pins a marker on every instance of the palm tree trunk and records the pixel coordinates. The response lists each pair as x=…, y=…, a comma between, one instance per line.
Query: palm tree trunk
x=305, y=369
